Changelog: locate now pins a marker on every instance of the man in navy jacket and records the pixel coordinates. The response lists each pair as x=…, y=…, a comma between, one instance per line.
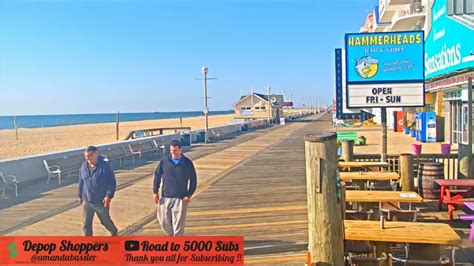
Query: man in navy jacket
x=178, y=176
x=96, y=189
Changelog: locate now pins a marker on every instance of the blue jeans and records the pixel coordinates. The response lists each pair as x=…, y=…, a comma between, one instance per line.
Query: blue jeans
x=89, y=209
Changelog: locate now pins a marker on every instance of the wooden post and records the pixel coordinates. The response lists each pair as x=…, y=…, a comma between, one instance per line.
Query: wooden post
x=117, y=125
x=347, y=150
x=181, y=121
x=406, y=172
x=325, y=224
x=384, y=134
x=465, y=149
x=15, y=125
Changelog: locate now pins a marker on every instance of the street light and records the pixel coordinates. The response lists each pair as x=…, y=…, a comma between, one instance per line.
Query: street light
x=204, y=71
x=206, y=110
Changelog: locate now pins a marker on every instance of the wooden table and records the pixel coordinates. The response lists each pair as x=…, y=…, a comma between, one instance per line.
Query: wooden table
x=453, y=198
x=401, y=232
x=382, y=196
x=366, y=196
x=369, y=176
x=364, y=165
x=424, y=238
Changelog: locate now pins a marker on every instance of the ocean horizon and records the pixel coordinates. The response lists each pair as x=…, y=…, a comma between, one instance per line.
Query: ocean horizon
x=40, y=121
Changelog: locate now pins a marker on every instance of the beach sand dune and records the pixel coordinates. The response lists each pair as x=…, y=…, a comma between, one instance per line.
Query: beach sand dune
x=40, y=140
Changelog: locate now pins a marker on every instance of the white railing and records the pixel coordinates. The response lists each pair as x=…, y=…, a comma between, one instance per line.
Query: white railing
x=411, y=9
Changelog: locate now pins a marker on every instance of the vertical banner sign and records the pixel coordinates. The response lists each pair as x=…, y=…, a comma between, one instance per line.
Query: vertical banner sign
x=385, y=69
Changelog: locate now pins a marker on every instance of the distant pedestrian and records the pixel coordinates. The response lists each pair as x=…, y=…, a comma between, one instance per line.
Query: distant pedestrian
x=178, y=176
x=96, y=189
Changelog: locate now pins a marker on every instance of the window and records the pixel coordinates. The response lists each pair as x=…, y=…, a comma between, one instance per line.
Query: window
x=260, y=108
x=245, y=108
x=450, y=7
x=469, y=7
x=460, y=115
x=460, y=7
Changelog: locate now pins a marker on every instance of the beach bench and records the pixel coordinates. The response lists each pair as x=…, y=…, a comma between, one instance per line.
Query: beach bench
x=114, y=154
x=65, y=165
x=347, y=135
x=140, y=148
x=159, y=146
x=216, y=135
x=8, y=182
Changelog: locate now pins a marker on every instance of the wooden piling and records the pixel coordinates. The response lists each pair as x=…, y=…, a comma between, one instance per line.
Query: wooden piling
x=325, y=228
x=15, y=125
x=347, y=150
x=117, y=125
x=406, y=172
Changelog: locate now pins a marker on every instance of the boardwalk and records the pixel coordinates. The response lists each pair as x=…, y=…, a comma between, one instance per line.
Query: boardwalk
x=263, y=199
x=53, y=210
x=252, y=185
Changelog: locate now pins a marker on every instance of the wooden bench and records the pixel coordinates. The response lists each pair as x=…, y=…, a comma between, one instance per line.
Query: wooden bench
x=140, y=148
x=60, y=166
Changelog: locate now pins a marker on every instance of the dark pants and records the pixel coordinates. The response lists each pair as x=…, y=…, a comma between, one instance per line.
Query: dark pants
x=89, y=209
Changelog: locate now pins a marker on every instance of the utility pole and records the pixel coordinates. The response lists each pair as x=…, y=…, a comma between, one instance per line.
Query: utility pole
x=204, y=71
x=206, y=109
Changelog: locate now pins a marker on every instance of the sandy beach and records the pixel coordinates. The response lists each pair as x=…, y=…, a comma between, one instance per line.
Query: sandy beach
x=41, y=140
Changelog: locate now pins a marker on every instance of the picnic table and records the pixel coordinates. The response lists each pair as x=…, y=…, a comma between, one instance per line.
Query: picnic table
x=370, y=196
x=425, y=238
x=364, y=165
x=469, y=217
x=382, y=196
x=452, y=196
x=369, y=176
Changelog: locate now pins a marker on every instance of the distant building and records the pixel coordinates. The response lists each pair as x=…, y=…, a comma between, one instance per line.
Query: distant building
x=257, y=106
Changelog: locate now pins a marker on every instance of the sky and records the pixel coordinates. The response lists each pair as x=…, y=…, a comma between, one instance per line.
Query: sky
x=91, y=56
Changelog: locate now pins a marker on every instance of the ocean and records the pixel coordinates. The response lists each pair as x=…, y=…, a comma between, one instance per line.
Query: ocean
x=37, y=121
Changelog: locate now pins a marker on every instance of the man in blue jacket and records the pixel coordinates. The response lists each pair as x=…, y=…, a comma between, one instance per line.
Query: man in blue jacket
x=179, y=183
x=96, y=189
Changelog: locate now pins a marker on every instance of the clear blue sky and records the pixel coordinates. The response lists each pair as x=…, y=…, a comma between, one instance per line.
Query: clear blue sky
x=142, y=56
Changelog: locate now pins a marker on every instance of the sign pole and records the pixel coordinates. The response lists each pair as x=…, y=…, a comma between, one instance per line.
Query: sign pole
x=384, y=134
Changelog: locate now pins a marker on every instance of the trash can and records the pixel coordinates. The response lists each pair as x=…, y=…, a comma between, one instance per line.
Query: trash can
x=185, y=138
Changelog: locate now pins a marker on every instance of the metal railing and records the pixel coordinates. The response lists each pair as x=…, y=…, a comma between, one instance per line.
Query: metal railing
x=411, y=9
x=450, y=162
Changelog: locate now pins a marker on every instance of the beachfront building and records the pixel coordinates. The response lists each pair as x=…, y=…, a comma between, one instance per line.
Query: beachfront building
x=259, y=106
x=397, y=15
x=449, y=64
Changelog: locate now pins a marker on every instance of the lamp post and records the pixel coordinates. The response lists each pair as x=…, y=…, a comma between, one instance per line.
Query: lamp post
x=206, y=110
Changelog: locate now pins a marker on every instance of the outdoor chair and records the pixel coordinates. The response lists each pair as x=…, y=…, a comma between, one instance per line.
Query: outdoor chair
x=380, y=185
x=394, y=212
x=8, y=182
x=366, y=261
x=352, y=247
x=54, y=171
x=443, y=260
